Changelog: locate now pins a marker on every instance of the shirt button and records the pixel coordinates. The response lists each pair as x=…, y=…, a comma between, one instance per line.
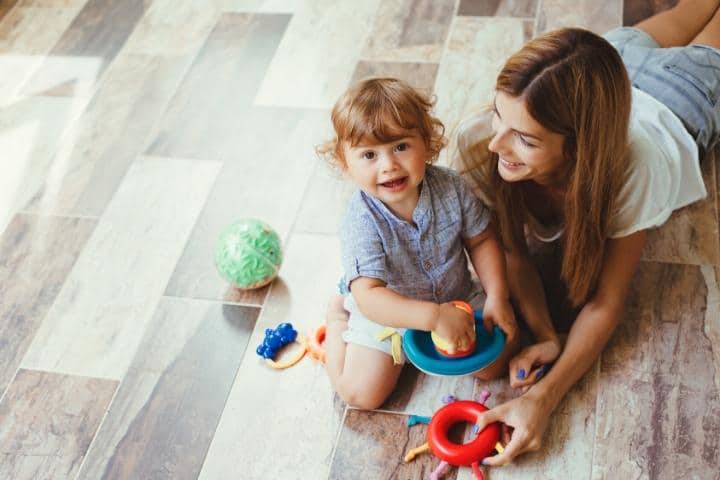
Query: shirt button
x=427, y=265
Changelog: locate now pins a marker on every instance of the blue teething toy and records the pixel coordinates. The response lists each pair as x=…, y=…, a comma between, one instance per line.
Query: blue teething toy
x=421, y=351
x=276, y=339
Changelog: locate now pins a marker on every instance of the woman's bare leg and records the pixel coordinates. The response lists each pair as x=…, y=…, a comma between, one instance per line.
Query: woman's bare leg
x=710, y=34
x=679, y=25
x=363, y=377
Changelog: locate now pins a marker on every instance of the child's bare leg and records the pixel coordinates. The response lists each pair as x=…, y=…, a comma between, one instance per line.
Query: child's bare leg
x=499, y=367
x=679, y=25
x=363, y=377
x=710, y=35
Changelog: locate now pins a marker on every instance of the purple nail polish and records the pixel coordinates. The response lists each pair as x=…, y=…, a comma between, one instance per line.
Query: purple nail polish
x=540, y=374
x=475, y=429
x=484, y=461
x=521, y=374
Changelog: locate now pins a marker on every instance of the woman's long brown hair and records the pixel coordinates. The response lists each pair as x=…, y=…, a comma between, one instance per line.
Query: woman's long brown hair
x=574, y=83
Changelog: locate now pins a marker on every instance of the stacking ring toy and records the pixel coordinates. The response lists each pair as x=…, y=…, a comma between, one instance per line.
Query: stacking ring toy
x=421, y=351
x=468, y=453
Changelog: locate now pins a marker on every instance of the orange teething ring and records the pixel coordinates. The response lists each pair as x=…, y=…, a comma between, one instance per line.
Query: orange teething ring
x=314, y=346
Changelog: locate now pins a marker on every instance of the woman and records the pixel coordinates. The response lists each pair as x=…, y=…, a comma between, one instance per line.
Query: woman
x=593, y=142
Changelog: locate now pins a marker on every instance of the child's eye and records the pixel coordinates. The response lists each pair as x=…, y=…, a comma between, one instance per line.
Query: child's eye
x=368, y=155
x=401, y=147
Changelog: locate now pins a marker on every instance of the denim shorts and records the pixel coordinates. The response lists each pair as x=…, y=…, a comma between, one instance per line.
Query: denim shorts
x=685, y=79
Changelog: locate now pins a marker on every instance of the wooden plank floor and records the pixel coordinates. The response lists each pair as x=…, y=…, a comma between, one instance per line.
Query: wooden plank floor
x=132, y=132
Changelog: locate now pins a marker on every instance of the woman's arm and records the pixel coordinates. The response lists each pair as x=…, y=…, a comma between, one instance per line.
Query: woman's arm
x=529, y=414
x=598, y=318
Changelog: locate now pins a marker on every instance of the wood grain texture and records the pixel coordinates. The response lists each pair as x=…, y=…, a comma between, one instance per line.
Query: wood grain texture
x=87, y=47
x=36, y=255
x=168, y=406
x=47, y=421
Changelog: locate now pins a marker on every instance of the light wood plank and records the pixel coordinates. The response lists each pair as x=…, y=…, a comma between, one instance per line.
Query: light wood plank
x=265, y=179
x=210, y=109
x=116, y=127
x=317, y=55
x=100, y=315
x=168, y=405
x=31, y=131
x=47, y=422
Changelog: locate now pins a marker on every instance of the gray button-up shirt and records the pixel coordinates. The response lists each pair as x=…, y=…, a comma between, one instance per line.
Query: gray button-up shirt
x=425, y=260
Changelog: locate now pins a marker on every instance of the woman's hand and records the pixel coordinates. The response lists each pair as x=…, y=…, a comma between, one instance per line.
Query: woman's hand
x=532, y=363
x=455, y=325
x=524, y=422
x=498, y=311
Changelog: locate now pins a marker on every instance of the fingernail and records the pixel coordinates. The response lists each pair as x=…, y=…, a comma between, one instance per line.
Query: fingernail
x=540, y=374
x=475, y=429
x=521, y=374
x=484, y=461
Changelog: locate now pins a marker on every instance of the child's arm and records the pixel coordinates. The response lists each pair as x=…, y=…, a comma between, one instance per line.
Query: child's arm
x=488, y=260
x=386, y=307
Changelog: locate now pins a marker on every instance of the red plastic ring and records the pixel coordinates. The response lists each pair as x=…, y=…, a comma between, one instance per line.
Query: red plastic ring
x=461, y=454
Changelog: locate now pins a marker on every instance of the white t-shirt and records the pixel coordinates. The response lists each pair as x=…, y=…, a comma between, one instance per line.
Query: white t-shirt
x=666, y=169
x=664, y=175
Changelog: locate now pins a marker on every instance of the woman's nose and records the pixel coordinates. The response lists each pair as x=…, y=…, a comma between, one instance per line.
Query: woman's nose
x=497, y=143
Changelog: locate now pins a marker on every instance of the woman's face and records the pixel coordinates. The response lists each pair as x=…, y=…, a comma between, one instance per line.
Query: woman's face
x=527, y=150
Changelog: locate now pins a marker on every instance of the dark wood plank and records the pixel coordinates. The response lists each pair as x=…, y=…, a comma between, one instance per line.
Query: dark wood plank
x=47, y=421
x=498, y=8
x=36, y=255
x=659, y=401
x=205, y=115
x=86, y=48
x=165, y=413
x=374, y=444
x=635, y=11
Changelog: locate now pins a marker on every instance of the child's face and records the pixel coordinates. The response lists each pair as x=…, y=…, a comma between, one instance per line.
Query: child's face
x=527, y=150
x=390, y=172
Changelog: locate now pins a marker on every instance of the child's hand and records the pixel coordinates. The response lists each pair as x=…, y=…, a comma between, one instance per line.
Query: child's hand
x=455, y=325
x=498, y=311
x=531, y=364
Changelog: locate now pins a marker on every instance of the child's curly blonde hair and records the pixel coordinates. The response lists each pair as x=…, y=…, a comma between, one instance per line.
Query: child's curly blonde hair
x=381, y=110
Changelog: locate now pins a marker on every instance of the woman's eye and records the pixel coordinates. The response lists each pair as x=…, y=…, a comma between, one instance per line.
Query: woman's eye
x=402, y=147
x=525, y=142
x=368, y=155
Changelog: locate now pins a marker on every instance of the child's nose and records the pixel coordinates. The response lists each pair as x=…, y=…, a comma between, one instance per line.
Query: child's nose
x=389, y=162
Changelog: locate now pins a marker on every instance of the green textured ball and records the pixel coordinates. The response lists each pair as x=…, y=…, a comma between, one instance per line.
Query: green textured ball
x=248, y=254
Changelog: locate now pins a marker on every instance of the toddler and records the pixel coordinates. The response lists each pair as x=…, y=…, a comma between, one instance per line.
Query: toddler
x=404, y=240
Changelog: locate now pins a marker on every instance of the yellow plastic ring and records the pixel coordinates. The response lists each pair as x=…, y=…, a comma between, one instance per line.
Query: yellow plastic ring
x=302, y=340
